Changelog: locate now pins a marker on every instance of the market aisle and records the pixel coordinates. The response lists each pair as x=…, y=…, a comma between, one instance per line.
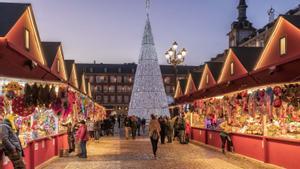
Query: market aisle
x=115, y=153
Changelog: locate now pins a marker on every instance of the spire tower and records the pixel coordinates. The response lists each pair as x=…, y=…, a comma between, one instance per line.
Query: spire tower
x=148, y=95
x=242, y=8
x=241, y=28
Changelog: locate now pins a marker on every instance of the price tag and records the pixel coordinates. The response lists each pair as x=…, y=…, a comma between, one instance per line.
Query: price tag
x=210, y=136
x=36, y=146
x=53, y=142
x=200, y=132
x=43, y=144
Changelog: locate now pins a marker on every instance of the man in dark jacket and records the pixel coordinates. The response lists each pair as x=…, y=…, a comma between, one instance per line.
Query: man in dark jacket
x=143, y=122
x=133, y=126
x=139, y=123
x=181, y=125
x=11, y=144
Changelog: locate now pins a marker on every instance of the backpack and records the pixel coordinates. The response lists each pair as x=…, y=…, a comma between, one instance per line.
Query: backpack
x=154, y=135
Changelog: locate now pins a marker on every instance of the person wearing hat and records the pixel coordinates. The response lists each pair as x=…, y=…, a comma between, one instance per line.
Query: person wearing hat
x=82, y=134
x=11, y=144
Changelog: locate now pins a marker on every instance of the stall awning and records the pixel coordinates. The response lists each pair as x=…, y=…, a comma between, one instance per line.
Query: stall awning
x=14, y=63
x=281, y=73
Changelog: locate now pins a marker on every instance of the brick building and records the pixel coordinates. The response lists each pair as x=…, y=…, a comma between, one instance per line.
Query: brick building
x=112, y=83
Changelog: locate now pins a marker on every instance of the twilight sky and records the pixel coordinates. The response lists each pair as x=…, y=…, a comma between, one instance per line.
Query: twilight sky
x=110, y=31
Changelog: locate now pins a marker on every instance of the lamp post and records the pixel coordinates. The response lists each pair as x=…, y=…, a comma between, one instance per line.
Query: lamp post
x=175, y=58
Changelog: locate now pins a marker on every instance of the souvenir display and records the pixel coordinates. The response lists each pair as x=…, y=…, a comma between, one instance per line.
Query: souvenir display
x=36, y=109
x=246, y=110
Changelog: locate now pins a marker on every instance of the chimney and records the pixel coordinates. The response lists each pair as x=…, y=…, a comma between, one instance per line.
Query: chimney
x=94, y=61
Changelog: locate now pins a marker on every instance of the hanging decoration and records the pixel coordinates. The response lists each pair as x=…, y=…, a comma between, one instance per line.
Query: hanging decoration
x=276, y=108
x=12, y=90
x=19, y=108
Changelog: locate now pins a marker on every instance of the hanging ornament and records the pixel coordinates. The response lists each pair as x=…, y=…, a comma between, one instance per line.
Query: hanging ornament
x=52, y=94
x=57, y=106
x=35, y=94
x=2, y=108
x=28, y=95
x=13, y=86
x=18, y=107
x=277, y=102
x=277, y=91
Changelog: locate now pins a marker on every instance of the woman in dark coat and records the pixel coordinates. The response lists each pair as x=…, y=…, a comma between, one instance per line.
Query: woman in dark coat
x=164, y=129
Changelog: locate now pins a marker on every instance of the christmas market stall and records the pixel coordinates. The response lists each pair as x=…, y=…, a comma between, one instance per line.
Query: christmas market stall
x=39, y=90
x=255, y=95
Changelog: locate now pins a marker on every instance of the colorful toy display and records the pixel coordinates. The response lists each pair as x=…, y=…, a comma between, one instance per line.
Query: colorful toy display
x=270, y=111
x=36, y=108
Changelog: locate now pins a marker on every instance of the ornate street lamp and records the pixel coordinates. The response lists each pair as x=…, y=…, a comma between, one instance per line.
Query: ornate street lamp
x=175, y=57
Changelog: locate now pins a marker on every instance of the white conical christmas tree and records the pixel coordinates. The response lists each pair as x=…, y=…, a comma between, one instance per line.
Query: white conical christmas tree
x=148, y=95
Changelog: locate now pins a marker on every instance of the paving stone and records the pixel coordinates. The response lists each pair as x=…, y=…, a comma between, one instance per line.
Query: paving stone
x=116, y=153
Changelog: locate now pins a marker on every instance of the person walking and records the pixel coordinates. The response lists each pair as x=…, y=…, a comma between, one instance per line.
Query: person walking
x=127, y=127
x=133, y=126
x=187, y=131
x=163, y=131
x=77, y=143
x=225, y=137
x=139, y=123
x=119, y=121
x=83, y=138
x=90, y=127
x=71, y=139
x=11, y=145
x=143, y=123
x=176, y=128
x=97, y=129
x=181, y=125
x=154, y=130
x=170, y=130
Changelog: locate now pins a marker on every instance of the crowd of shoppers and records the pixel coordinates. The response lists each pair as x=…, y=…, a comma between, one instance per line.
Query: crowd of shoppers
x=79, y=132
x=134, y=126
x=177, y=128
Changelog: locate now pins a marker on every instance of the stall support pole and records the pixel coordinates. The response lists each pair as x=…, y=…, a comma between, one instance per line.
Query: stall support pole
x=32, y=159
x=265, y=149
x=206, y=136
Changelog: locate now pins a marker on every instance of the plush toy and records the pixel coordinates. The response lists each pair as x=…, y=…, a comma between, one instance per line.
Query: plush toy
x=277, y=102
x=277, y=91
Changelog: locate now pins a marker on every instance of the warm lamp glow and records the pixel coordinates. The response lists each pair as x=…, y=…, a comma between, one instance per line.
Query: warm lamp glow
x=179, y=56
x=167, y=55
x=175, y=46
x=170, y=52
x=184, y=52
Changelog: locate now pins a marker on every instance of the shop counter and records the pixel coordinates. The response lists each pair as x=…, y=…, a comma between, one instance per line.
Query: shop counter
x=248, y=145
x=199, y=134
x=277, y=151
x=41, y=150
x=283, y=152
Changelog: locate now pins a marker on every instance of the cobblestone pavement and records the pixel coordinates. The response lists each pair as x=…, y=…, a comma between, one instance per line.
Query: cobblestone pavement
x=116, y=153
